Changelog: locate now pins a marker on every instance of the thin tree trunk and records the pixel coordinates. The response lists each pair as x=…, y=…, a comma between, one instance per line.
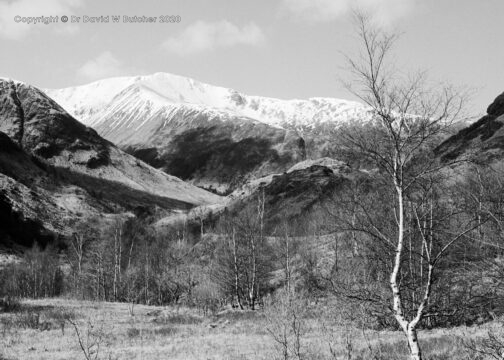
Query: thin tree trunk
x=114, y=282
x=253, y=275
x=254, y=288
x=394, y=284
x=119, y=256
x=236, y=270
x=146, y=277
x=131, y=252
x=287, y=264
x=355, y=245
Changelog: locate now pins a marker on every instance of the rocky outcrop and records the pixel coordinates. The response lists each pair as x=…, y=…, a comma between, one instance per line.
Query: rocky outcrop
x=482, y=141
x=296, y=196
x=42, y=127
x=497, y=107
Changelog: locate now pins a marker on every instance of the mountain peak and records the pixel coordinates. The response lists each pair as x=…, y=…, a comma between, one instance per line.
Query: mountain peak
x=164, y=90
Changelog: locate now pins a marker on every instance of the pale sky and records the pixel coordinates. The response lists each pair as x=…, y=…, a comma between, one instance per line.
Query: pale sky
x=278, y=48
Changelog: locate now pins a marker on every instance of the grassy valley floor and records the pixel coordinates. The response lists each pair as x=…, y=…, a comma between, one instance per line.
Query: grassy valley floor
x=43, y=329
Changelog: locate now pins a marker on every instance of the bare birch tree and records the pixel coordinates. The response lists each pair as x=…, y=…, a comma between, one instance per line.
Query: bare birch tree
x=244, y=257
x=81, y=244
x=409, y=118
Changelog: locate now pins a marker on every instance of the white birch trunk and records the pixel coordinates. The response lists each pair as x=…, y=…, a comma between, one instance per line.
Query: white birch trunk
x=408, y=327
x=415, y=353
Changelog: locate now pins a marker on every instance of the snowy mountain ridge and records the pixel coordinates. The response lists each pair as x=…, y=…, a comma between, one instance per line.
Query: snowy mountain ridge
x=167, y=91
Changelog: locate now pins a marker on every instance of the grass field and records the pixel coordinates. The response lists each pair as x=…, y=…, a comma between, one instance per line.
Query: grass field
x=35, y=332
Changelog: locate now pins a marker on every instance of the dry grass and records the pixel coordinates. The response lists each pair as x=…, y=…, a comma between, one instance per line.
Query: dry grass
x=181, y=333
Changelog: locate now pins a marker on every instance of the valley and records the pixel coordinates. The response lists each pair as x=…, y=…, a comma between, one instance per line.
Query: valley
x=160, y=217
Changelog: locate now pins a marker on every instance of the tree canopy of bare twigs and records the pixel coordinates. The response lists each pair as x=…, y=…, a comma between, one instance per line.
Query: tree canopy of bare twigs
x=404, y=212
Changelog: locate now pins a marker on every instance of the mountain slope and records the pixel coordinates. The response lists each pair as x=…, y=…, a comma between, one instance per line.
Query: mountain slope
x=55, y=171
x=40, y=126
x=482, y=141
x=216, y=137
x=22, y=198
x=299, y=196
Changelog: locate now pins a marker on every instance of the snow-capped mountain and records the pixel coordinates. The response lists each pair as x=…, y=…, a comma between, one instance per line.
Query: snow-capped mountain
x=216, y=137
x=157, y=91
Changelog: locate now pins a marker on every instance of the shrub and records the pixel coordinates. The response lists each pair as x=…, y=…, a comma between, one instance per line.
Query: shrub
x=132, y=333
x=286, y=318
x=491, y=345
x=9, y=304
x=183, y=319
x=27, y=320
x=59, y=316
x=165, y=331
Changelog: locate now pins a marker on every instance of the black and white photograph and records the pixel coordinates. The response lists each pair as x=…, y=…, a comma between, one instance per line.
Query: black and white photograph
x=251, y=180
